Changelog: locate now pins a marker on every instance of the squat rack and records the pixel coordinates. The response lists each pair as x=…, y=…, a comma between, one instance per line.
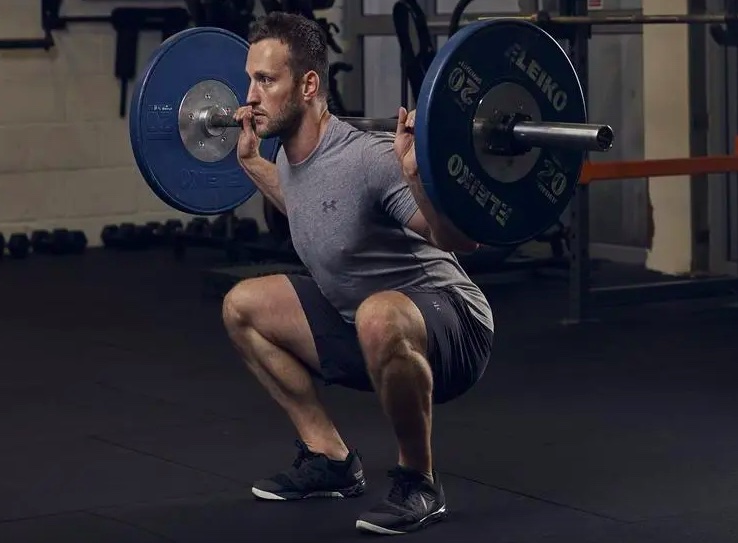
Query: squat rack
x=574, y=25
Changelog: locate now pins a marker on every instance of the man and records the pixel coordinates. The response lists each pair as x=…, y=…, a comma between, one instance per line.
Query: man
x=386, y=307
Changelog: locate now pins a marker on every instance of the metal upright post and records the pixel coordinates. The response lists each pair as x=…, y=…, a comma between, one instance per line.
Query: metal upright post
x=579, y=269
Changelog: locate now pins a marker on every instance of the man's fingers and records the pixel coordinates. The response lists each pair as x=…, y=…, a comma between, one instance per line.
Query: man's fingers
x=401, y=118
x=410, y=120
x=243, y=113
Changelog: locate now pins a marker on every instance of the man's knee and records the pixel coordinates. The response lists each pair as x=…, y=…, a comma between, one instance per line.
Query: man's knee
x=243, y=303
x=239, y=305
x=388, y=324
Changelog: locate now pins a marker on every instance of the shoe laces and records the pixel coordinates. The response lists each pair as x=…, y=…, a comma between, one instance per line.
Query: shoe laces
x=404, y=482
x=303, y=454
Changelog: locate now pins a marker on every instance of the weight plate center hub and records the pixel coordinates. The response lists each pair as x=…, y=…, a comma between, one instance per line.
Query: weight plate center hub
x=508, y=98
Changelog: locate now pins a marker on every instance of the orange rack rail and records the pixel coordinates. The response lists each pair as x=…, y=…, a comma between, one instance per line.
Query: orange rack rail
x=595, y=171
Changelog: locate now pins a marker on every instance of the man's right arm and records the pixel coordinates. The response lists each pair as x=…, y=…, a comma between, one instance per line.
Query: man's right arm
x=266, y=178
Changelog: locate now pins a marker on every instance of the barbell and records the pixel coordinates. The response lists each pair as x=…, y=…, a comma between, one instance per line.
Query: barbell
x=501, y=129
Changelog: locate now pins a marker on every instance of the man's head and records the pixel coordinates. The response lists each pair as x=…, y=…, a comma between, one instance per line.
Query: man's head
x=288, y=67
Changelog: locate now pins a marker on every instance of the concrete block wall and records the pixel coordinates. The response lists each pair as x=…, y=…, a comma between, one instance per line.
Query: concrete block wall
x=65, y=155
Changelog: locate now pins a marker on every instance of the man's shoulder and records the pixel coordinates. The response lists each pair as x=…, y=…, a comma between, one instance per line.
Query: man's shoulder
x=379, y=142
x=368, y=142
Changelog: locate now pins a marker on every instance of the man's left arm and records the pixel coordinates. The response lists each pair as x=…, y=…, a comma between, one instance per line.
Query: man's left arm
x=428, y=221
x=434, y=226
x=405, y=200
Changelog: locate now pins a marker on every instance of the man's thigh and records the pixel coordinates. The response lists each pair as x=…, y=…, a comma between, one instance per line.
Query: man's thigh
x=458, y=349
x=339, y=351
x=459, y=345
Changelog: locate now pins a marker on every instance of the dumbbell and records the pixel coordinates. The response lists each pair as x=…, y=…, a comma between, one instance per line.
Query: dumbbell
x=170, y=229
x=18, y=246
x=109, y=236
x=153, y=232
x=78, y=242
x=162, y=234
x=133, y=236
x=197, y=231
x=115, y=236
x=199, y=226
x=127, y=236
x=130, y=236
x=59, y=241
x=219, y=227
x=246, y=230
x=41, y=241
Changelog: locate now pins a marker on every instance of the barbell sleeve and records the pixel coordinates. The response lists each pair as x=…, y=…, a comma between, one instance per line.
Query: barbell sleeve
x=583, y=137
x=219, y=120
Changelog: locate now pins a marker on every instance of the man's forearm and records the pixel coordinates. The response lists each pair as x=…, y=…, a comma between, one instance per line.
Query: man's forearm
x=445, y=235
x=264, y=175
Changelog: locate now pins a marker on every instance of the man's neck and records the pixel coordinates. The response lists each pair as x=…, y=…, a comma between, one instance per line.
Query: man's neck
x=307, y=136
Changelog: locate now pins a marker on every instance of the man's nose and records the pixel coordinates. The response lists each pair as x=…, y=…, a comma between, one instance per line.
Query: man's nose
x=252, y=96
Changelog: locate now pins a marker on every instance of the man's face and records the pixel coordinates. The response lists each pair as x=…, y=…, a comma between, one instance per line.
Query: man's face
x=274, y=95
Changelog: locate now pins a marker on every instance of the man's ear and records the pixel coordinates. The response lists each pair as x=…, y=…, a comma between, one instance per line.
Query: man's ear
x=310, y=85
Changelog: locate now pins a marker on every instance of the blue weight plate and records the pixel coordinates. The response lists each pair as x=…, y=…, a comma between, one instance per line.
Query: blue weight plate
x=484, y=202
x=177, y=177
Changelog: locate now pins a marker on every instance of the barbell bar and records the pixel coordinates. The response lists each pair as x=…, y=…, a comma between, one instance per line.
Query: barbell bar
x=501, y=130
x=525, y=134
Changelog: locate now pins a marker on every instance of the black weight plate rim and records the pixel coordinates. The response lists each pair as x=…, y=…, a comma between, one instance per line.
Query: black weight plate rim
x=435, y=81
x=268, y=148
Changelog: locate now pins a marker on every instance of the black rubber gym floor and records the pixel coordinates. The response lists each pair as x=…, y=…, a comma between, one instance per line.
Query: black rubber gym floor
x=126, y=417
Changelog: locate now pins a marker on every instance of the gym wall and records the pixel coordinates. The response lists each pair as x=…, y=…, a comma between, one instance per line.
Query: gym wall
x=65, y=156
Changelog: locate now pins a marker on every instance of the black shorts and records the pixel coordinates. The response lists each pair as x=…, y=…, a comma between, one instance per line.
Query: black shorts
x=459, y=345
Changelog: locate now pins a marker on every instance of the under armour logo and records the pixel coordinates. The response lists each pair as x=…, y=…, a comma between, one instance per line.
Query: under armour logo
x=329, y=205
x=436, y=305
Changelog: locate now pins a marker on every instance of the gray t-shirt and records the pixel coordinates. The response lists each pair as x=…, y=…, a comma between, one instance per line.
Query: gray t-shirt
x=347, y=205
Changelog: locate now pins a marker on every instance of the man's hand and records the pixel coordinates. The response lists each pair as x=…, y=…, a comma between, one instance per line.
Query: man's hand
x=405, y=151
x=405, y=143
x=248, y=143
x=429, y=223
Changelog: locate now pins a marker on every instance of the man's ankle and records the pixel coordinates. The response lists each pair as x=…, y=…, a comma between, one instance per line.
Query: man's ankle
x=336, y=454
x=428, y=474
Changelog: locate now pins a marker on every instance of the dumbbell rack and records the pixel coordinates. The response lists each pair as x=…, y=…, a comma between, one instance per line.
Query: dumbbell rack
x=200, y=232
x=58, y=242
x=239, y=238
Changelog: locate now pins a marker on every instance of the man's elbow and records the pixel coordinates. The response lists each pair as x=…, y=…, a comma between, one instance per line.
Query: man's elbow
x=470, y=247
x=463, y=245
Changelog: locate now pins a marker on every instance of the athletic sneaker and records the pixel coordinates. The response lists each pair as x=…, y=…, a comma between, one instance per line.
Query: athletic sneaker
x=314, y=475
x=413, y=503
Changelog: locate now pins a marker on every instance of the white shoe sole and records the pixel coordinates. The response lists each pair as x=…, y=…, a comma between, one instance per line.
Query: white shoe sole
x=264, y=495
x=373, y=528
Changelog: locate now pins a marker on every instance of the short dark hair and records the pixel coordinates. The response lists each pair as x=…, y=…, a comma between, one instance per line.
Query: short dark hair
x=304, y=38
